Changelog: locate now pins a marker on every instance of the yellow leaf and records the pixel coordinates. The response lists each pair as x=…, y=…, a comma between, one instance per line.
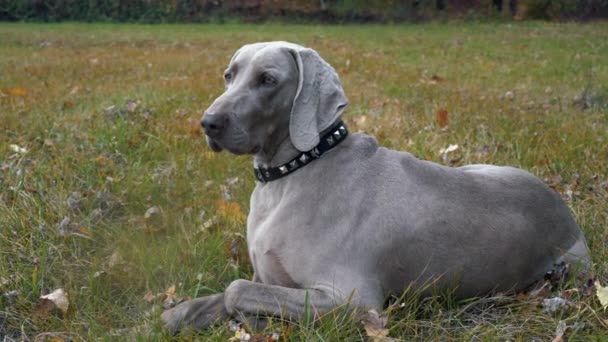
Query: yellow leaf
x=602, y=294
x=171, y=290
x=17, y=91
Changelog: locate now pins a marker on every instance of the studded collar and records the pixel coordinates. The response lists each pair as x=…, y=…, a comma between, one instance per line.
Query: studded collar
x=335, y=135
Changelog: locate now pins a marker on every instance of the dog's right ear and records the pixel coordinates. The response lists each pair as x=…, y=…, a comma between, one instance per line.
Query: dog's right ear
x=319, y=100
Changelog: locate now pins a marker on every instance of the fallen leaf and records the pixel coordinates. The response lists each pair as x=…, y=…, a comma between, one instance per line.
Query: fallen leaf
x=17, y=91
x=375, y=326
x=437, y=78
x=149, y=297
x=240, y=336
x=602, y=294
x=56, y=300
x=18, y=149
x=169, y=298
x=151, y=212
x=560, y=331
x=555, y=304
x=450, y=148
x=441, y=117
x=171, y=290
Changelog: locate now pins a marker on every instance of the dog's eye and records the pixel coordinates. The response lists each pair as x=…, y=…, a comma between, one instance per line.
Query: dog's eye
x=267, y=80
x=227, y=77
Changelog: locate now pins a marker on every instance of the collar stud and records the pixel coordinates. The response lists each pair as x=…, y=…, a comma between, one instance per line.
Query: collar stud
x=333, y=137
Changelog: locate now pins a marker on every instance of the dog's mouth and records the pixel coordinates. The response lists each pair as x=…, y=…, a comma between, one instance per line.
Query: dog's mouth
x=215, y=146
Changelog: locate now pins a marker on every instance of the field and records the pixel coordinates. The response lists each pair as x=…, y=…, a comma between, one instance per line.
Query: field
x=108, y=190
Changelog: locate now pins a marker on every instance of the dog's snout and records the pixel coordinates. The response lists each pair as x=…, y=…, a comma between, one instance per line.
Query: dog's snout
x=213, y=124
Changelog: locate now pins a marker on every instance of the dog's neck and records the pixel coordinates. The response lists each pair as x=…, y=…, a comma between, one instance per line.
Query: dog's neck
x=287, y=159
x=283, y=152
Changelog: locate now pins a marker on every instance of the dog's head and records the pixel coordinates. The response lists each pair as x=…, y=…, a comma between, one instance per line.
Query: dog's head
x=273, y=90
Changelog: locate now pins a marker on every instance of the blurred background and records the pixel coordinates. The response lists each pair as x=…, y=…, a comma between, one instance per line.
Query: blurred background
x=325, y=11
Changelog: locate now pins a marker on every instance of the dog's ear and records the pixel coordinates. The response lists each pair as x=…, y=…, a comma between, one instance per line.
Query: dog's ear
x=319, y=100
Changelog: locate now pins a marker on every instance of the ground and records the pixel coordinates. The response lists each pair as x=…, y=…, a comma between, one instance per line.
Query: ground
x=108, y=191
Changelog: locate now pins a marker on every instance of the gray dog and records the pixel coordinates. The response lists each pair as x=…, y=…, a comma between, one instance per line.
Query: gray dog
x=337, y=220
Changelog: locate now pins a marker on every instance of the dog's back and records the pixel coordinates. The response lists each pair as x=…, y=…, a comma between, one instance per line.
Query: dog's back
x=474, y=229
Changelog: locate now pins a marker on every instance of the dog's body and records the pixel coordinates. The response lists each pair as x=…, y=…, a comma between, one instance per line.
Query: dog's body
x=363, y=222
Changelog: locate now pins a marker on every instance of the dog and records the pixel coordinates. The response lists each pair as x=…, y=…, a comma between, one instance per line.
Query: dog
x=335, y=219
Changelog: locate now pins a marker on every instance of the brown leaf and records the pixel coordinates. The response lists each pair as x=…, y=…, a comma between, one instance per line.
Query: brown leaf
x=441, y=117
x=149, y=297
x=56, y=301
x=375, y=326
x=437, y=78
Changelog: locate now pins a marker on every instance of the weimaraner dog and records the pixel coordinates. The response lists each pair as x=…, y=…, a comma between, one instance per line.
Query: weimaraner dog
x=337, y=221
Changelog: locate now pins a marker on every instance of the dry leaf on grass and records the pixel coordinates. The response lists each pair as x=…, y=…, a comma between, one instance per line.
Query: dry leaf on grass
x=240, y=336
x=441, y=117
x=53, y=302
x=151, y=212
x=555, y=304
x=560, y=331
x=375, y=326
x=18, y=149
x=17, y=92
x=149, y=297
x=602, y=294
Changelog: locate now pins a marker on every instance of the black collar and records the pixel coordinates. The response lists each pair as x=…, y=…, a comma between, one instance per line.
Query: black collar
x=336, y=134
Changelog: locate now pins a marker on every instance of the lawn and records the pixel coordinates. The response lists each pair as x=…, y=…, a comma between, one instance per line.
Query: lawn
x=108, y=190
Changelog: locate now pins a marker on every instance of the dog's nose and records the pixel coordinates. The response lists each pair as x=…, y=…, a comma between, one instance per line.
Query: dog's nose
x=213, y=124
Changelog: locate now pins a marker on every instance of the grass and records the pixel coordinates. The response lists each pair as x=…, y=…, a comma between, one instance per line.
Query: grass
x=108, y=117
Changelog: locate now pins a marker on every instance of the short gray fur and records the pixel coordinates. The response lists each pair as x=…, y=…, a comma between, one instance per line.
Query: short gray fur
x=364, y=222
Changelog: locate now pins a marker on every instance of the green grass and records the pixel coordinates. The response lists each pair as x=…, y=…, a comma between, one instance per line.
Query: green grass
x=103, y=167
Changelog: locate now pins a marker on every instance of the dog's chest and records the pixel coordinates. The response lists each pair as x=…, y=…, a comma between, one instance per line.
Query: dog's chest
x=269, y=246
x=270, y=259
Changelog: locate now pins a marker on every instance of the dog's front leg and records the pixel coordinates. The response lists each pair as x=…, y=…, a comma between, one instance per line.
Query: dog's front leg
x=247, y=298
x=198, y=313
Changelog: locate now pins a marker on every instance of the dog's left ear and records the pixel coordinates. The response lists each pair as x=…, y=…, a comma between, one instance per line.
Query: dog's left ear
x=319, y=100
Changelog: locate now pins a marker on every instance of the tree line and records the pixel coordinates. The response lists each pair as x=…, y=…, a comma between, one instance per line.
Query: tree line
x=151, y=11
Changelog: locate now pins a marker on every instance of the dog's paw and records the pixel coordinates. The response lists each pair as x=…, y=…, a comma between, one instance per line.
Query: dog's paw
x=196, y=314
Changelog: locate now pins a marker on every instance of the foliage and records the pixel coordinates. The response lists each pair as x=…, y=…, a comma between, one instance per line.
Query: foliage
x=108, y=191
x=154, y=11
x=562, y=9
